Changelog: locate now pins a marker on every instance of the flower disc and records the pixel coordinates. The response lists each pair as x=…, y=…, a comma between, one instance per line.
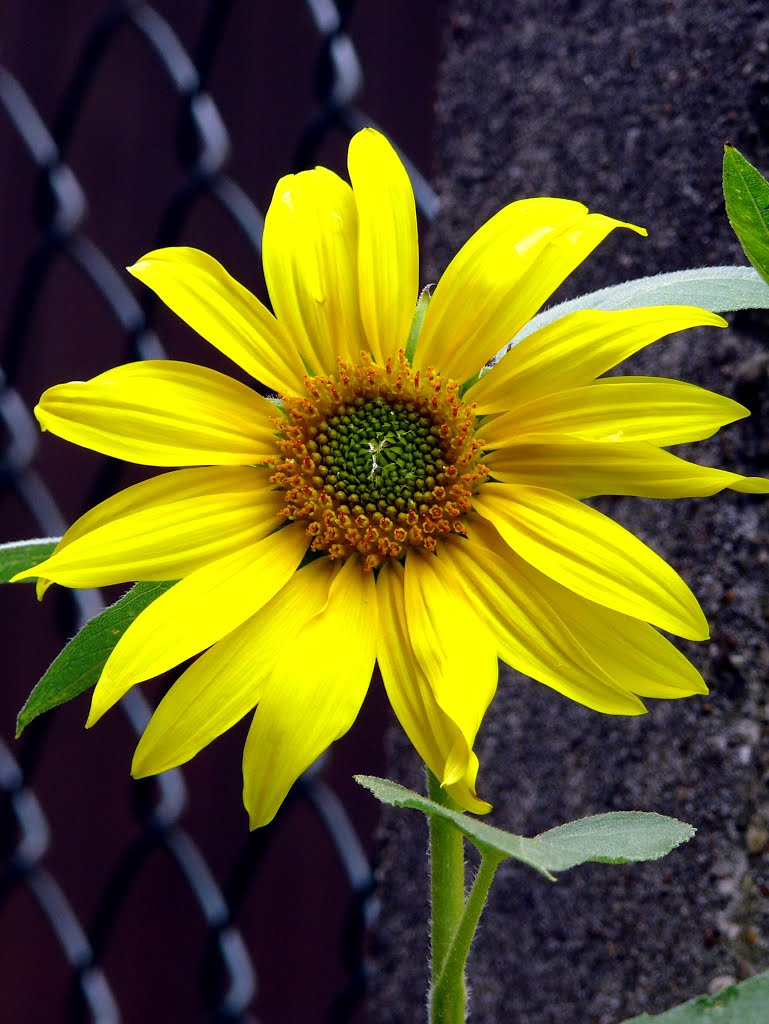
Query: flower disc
x=378, y=459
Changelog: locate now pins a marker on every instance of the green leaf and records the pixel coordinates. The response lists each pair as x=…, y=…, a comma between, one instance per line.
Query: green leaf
x=719, y=289
x=614, y=838
x=80, y=663
x=19, y=555
x=746, y=192
x=416, y=324
x=746, y=1003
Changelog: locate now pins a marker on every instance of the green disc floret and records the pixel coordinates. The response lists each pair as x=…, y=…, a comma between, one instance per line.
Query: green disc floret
x=379, y=453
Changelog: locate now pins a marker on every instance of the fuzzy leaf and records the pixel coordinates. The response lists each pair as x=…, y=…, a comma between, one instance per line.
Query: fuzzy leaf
x=746, y=192
x=615, y=838
x=746, y=1003
x=719, y=289
x=80, y=663
x=18, y=555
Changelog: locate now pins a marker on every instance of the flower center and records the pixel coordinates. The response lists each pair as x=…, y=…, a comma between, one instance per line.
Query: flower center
x=378, y=459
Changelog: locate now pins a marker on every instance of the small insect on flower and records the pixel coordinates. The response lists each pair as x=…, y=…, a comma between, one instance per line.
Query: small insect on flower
x=394, y=503
x=389, y=451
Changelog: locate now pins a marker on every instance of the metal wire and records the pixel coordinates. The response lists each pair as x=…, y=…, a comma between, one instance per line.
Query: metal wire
x=229, y=976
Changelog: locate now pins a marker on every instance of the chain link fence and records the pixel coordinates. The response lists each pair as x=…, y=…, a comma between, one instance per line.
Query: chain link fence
x=123, y=127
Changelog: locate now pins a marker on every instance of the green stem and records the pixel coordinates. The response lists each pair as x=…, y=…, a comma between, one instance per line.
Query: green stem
x=447, y=878
x=452, y=972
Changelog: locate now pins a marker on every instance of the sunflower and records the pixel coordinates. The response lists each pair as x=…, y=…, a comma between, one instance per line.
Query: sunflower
x=393, y=502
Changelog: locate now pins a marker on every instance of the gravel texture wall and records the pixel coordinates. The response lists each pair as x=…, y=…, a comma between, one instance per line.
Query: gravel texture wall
x=627, y=109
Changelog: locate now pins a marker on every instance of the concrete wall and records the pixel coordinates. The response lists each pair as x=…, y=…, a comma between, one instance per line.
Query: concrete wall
x=629, y=116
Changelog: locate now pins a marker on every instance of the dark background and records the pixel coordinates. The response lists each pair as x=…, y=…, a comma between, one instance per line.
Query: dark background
x=125, y=126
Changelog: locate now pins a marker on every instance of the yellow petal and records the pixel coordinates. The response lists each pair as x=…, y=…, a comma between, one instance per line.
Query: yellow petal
x=164, y=488
x=454, y=649
x=315, y=692
x=181, y=483
x=388, y=255
x=631, y=654
x=311, y=267
x=162, y=413
x=227, y=315
x=573, y=351
x=650, y=409
x=592, y=555
x=582, y=469
x=500, y=278
x=170, y=538
x=532, y=635
x=430, y=729
x=226, y=682
x=197, y=612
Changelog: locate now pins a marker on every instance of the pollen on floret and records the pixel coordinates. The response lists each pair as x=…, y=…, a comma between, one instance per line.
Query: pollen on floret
x=377, y=459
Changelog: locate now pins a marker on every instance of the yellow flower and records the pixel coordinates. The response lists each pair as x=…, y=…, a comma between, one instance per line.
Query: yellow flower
x=382, y=510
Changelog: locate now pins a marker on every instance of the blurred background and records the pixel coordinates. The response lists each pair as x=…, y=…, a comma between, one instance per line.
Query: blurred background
x=124, y=126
